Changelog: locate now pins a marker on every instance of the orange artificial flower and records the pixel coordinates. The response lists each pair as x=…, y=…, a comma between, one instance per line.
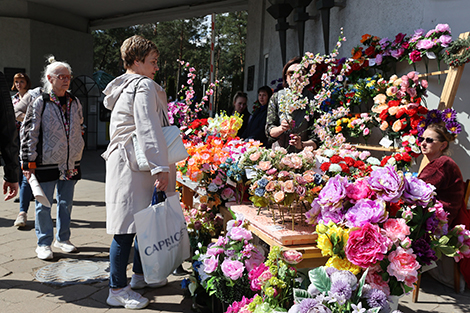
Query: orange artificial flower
x=365, y=37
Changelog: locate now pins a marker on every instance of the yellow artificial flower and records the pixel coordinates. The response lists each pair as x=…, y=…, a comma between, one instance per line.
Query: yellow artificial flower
x=325, y=245
x=342, y=264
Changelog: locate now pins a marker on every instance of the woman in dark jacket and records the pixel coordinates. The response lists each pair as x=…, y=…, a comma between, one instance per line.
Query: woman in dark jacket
x=256, y=124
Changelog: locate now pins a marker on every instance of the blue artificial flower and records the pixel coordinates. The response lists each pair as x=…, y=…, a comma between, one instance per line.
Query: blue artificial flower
x=238, y=178
x=185, y=283
x=259, y=192
x=263, y=182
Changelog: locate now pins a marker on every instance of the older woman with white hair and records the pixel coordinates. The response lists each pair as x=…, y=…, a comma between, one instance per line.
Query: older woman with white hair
x=51, y=148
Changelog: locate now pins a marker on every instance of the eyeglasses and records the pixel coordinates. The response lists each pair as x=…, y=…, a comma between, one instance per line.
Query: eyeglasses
x=427, y=139
x=63, y=77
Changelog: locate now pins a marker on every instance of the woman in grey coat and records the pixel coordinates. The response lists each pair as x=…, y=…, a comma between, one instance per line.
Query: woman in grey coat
x=139, y=108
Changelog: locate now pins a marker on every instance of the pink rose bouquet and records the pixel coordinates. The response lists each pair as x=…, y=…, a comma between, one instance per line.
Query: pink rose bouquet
x=226, y=264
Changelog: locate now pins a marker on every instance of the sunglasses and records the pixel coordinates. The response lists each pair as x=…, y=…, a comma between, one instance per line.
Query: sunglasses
x=427, y=139
x=63, y=77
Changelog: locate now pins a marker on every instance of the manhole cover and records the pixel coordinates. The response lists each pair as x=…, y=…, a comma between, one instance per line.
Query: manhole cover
x=74, y=272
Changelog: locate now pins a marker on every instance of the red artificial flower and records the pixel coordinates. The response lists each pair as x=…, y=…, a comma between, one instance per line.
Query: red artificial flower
x=414, y=131
x=394, y=103
x=358, y=164
x=406, y=157
x=336, y=159
x=400, y=112
x=398, y=157
x=393, y=208
x=383, y=115
x=344, y=168
x=422, y=110
x=325, y=166
x=349, y=161
x=385, y=160
x=370, y=52
x=411, y=112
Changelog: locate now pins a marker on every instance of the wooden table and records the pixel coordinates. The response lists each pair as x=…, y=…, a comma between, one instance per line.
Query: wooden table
x=189, y=189
x=312, y=256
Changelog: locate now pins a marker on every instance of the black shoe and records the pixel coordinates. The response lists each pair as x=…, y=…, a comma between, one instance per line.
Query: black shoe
x=180, y=271
x=17, y=200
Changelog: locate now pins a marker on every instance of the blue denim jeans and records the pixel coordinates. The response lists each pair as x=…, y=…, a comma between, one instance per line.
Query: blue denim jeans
x=119, y=257
x=44, y=225
x=26, y=194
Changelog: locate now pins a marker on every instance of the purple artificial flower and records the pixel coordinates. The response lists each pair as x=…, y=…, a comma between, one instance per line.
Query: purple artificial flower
x=378, y=59
x=384, y=42
x=344, y=276
x=388, y=183
x=419, y=32
x=430, y=33
x=432, y=223
x=334, y=192
x=232, y=269
x=425, y=44
x=423, y=251
x=331, y=270
x=442, y=28
x=312, y=290
x=230, y=253
x=454, y=127
x=340, y=291
x=449, y=115
x=417, y=191
x=445, y=40
x=240, y=234
x=366, y=210
x=312, y=305
x=377, y=298
x=333, y=214
x=211, y=264
x=314, y=213
x=434, y=116
x=397, y=53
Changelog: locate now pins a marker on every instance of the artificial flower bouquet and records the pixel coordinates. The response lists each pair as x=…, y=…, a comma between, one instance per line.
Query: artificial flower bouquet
x=226, y=264
x=282, y=180
x=388, y=223
x=274, y=281
x=203, y=223
x=223, y=125
x=333, y=290
x=345, y=162
x=399, y=110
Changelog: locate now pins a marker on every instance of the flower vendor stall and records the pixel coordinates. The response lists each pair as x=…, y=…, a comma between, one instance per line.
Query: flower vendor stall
x=366, y=225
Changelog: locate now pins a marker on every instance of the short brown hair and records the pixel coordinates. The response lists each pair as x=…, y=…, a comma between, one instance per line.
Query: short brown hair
x=21, y=76
x=136, y=48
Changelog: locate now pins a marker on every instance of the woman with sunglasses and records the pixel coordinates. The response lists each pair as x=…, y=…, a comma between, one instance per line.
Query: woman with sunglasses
x=441, y=171
x=290, y=130
x=51, y=148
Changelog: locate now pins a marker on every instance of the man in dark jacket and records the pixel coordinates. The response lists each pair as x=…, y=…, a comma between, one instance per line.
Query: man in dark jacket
x=8, y=142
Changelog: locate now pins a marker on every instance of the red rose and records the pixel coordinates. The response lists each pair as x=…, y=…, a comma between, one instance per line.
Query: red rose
x=400, y=112
x=344, y=168
x=336, y=159
x=325, y=166
x=385, y=160
x=398, y=157
x=349, y=161
x=411, y=112
x=405, y=143
x=422, y=110
x=383, y=115
x=358, y=163
x=370, y=51
x=394, y=103
x=406, y=157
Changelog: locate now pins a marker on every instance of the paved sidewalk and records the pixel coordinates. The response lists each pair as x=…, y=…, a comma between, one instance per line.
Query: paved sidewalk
x=20, y=292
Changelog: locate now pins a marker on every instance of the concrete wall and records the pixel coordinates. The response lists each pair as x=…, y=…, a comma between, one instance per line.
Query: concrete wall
x=358, y=17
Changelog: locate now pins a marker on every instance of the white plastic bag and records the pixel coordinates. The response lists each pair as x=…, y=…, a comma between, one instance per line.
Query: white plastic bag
x=163, y=238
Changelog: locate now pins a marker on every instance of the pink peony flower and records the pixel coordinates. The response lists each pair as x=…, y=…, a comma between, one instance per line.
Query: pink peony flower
x=358, y=190
x=366, y=246
x=232, y=269
x=255, y=260
x=375, y=280
x=292, y=256
x=255, y=156
x=425, y=44
x=424, y=83
x=415, y=56
x=264, y=165
x=240, y=233
x=442, y=28
x=279, y=196
x=396, y=229
x=403, y=266
x=265, y=276
x=227, y=193
x=289, y=186
x=210, y=264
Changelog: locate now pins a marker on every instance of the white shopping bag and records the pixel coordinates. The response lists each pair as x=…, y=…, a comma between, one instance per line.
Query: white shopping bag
x=37, y=191
x=163, y=238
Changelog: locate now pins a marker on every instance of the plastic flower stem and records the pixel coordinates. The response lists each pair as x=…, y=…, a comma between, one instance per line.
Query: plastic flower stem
x=273, y=214
x=292, y=216
x=438, y=57
x=426, y=65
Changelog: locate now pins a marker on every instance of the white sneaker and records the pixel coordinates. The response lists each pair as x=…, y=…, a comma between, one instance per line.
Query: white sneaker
x=65, y=246
x=127, y=298
x=20, y=220
x=44, y=252
x=138, y=282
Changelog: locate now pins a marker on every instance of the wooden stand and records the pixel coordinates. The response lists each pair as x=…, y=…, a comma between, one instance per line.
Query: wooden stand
x=189, y=189
x=312, y=256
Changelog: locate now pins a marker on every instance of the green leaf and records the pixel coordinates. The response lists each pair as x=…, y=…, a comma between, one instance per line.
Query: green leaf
x=362, y=281
x=444, y=240
x=300, y=294
x=320, y=279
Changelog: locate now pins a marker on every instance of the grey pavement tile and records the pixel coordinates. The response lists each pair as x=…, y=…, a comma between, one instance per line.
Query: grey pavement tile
x=4, y=271
x=86, y=305
x=71, y=293
x=36, y=306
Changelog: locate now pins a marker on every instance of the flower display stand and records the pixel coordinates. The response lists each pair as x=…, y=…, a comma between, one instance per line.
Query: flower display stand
x=188, y=190
x=262, y=226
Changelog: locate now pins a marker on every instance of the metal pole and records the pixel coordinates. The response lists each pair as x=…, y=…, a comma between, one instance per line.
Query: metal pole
x=211, y=100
